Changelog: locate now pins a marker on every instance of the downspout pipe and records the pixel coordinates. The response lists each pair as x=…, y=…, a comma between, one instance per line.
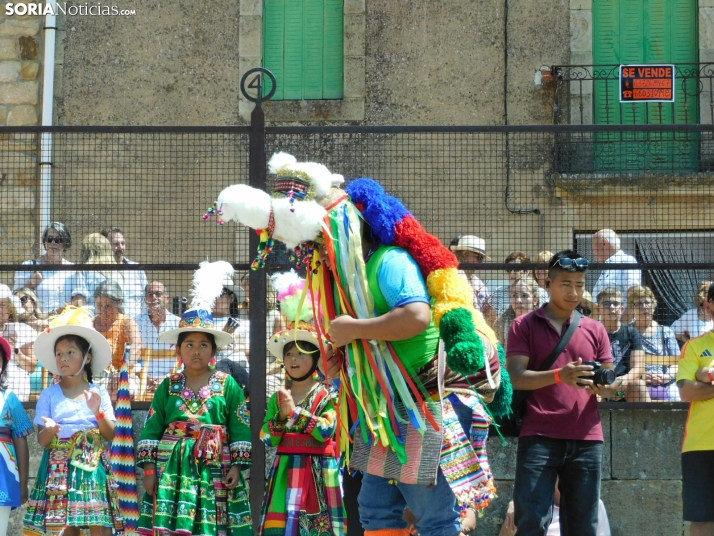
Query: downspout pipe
x=48, y=85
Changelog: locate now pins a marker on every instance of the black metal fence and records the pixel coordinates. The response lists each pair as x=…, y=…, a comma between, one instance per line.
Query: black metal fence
x=527, y=189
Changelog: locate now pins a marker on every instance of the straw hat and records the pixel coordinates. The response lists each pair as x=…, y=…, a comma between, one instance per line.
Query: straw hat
x=469, y=243
x=208, y=283
x=73, y=321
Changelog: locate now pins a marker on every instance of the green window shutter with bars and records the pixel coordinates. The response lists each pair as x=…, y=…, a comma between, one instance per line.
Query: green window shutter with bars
x=303, y=47
x=646, y=31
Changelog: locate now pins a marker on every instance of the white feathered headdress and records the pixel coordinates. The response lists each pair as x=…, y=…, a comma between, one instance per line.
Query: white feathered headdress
x=291, y=213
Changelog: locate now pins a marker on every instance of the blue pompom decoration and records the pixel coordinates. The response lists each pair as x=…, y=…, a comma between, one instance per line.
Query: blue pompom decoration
x=381, y=211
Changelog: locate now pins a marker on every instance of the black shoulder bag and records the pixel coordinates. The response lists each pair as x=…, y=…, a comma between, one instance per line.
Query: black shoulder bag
x=510, y=425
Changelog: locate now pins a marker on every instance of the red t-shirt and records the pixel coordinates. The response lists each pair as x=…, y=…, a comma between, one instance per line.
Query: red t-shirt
x=559, y=411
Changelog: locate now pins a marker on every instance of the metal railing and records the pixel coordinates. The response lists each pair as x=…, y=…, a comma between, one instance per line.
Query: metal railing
x=589, y=94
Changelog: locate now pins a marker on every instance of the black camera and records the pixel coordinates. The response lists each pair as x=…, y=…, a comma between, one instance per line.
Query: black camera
x=602, y=376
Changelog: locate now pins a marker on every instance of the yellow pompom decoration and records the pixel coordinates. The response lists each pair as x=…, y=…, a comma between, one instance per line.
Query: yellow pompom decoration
x=450, y=291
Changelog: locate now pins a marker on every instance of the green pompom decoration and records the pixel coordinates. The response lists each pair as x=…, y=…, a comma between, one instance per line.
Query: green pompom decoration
x=465, y=351
x=500, y=406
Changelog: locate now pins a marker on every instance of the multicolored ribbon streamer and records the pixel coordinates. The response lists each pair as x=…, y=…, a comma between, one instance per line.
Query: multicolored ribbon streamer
x=122, y=452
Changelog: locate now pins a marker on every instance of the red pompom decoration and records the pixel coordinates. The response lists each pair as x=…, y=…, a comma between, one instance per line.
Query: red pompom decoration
x=427, y=250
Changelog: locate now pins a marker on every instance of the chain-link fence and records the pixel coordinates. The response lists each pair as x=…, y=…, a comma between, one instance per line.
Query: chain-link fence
x=82, y=205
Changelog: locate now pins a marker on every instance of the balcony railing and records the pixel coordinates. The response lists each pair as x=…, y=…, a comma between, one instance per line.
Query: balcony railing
x=589, y=95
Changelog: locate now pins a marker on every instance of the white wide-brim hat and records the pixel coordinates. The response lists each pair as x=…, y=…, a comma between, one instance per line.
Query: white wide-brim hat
x=198, y=320
x=73, y=321
x=279, y=339
x=470, y=243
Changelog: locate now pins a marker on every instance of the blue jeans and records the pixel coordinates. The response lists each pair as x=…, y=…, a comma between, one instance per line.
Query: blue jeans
x=539, y=462
x=381, y=504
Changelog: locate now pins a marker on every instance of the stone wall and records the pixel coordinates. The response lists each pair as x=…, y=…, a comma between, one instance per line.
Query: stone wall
x=641, y=477
x=20, y=64
x=20, y=105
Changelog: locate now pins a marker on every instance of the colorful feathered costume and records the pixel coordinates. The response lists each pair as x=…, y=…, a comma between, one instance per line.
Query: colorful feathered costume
x=306, y=211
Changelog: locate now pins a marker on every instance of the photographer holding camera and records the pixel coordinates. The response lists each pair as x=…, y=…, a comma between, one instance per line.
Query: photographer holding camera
x=561, y=435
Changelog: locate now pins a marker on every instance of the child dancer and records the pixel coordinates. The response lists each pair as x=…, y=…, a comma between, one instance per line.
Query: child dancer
x=303, y=495
x=197, y=436
x=75, y=488
x=15, y=426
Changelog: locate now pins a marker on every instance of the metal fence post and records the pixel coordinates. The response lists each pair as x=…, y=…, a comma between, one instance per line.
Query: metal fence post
x=258, y=292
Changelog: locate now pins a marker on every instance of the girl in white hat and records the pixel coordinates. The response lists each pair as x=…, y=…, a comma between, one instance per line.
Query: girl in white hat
x=303, y=494
x=75, y=487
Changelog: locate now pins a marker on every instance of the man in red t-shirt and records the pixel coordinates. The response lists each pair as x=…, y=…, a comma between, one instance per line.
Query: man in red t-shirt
x=561, y=434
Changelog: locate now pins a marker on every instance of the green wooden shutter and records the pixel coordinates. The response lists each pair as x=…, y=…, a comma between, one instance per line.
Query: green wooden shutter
x=273, y=38
x=303, y=47
x=333, y=73
x=292, y=53
x=606, y=50
x=313, y=44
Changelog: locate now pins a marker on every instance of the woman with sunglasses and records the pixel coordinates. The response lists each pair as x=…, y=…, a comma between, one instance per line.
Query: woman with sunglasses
x=49, y=285
x=657, y=340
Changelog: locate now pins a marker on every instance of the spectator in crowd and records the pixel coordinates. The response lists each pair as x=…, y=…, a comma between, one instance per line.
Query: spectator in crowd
x=31, y=313
x=606, y=248
x=95, y=250
x=274, y=321
x=561, y=434
x=119, y=329
x=541, y=275
x=697, y=321
x=695, y=379
x=500, y=298
x=133, y=282
x=628, y=355
x=22, y=339
x=49, y=286
x=587, y=307
x=151, y=324
x=470, y=249
x=656, y=340
x=524, y=299
x=226, y=315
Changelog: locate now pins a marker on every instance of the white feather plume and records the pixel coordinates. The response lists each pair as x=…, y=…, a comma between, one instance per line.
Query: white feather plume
x=279, y=161
x=244, y=204
x=208, y=283
x=302, y=224
x=282, y=281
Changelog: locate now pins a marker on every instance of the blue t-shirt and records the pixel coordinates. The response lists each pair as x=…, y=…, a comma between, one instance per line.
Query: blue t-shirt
x=14, y=419
x=400, y=279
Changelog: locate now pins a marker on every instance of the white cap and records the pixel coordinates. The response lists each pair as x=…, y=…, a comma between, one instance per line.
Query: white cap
x=469, y=243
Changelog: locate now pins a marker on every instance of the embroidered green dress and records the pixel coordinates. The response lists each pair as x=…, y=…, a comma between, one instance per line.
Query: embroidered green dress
x=194, y=439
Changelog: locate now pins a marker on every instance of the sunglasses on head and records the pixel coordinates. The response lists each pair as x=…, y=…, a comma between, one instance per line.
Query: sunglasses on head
x=572, y=264
x=54, y=240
